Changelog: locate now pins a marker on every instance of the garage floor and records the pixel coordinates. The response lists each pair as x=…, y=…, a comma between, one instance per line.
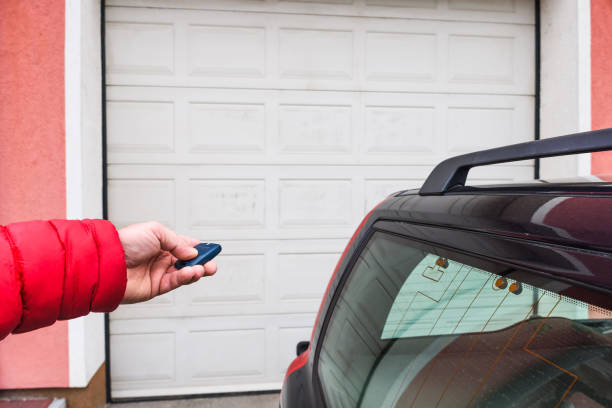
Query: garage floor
x=251, y=401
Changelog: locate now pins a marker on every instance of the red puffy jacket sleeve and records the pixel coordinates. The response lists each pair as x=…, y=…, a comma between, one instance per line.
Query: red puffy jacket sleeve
x=57, y=270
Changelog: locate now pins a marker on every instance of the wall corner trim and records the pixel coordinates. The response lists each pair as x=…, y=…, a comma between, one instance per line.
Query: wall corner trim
x=82, y=81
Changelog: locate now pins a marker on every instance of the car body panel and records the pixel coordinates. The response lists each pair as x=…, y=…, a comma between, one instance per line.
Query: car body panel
x=563, y=241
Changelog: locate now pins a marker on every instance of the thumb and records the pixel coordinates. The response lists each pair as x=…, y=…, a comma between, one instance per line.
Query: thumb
x=170, y=241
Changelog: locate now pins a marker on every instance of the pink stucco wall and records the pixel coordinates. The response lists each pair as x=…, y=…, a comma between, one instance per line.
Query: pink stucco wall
x=601, y=78
x=32, y=163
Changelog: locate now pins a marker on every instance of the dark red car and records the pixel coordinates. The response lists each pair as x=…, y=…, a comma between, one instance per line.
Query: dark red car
x=457, y=296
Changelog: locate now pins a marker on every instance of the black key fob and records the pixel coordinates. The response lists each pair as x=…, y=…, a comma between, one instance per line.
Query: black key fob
x=206, y=252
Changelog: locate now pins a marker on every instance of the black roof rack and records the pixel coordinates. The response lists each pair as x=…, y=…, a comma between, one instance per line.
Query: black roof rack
x=453, y=172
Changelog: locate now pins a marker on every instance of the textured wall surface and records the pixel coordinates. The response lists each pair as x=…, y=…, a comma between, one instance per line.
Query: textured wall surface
x=601, y=77
x=32, y=164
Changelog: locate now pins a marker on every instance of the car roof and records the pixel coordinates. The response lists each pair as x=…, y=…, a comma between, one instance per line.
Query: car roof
x=576, y=219
x=571, y=212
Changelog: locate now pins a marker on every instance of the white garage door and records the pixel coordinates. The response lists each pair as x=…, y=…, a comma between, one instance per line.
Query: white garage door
x=271, y=127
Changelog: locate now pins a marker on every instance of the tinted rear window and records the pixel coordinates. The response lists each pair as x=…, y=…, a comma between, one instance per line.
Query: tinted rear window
x=412, y=328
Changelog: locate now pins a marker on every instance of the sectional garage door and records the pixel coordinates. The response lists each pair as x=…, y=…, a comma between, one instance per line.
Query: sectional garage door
x=272, y=127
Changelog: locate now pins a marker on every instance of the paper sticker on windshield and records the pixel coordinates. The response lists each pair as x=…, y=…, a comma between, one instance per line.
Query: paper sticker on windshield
x=442, y=296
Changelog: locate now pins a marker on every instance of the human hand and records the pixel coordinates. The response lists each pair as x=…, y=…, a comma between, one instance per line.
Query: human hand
x=150, y=252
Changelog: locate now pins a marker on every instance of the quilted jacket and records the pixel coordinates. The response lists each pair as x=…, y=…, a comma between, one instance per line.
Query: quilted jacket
x=57, y=270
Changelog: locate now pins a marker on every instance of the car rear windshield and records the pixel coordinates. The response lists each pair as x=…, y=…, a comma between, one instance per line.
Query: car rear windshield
x=412, y=328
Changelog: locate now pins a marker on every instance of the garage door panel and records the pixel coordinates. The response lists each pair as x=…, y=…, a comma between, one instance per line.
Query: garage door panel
x=304, y=276
x=315, y=53
x=237, y=127
x=226, y=203
x=506, y=11
x=399, y=129
x=216, y=354
x=207, y=355
x=396, y=55
x=141, y=126
x=491, y=58
x=259, y=50
x=316, y=202
x=213, y=323
x=189, y=170
x=504, y=6
x=278, y=127
x=243, y=280
x=474, y=128
x=131, y=48
x=130, y=201
x=216, y=50
x=142, y=368
x=236, y=306
x=313, y=129
x=287, y=217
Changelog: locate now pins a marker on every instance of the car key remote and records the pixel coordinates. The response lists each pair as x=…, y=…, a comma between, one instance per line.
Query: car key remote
x=206, y=252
